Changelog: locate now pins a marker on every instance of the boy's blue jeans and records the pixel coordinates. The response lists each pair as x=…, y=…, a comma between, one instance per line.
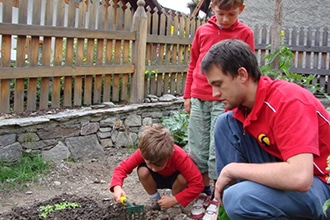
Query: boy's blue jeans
x=250, y=200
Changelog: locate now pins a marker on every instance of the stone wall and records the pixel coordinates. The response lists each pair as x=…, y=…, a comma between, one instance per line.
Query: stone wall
x=82, y=133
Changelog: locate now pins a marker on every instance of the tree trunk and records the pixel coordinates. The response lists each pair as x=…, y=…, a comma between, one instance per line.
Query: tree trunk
x=276, y=28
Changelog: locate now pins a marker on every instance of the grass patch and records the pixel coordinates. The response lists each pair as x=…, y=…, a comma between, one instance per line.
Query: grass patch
x=16, y=175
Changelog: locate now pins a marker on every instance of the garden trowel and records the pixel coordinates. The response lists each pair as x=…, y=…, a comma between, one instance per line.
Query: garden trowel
x=132, y=211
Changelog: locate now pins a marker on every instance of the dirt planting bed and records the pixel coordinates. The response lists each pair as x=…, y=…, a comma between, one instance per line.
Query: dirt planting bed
x=79, y=191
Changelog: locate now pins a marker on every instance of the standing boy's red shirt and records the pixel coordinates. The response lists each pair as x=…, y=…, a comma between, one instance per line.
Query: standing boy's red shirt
x=197, y=85
x=179, y=161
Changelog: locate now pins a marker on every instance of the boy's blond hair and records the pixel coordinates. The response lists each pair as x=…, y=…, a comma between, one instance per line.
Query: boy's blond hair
x=228, y=4
x=156, y=144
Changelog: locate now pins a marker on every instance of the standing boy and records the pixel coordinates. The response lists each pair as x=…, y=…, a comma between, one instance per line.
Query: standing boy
x=160, y=164
x=272, y=148
x=198, y=99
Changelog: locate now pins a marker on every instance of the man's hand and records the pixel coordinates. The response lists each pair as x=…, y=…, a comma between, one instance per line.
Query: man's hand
x=223, y=180
x=295, y=174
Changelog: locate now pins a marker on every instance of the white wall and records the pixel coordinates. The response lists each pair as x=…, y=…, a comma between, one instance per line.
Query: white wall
x=295, y=13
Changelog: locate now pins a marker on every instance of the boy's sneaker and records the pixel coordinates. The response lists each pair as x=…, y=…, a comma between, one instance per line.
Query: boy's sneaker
x=198, y=208
x=211, y=210
x=151, y=204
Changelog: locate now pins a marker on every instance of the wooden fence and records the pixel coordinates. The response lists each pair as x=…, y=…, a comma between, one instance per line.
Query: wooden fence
x=311, y=48
x=76, y=54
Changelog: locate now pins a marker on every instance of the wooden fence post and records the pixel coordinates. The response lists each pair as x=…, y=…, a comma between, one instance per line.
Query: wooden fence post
x=139, y=53
x=275, y=32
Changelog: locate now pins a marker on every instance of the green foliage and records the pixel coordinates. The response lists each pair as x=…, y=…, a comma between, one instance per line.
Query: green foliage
x=65, y=205
x=45, y=211
x=149, y=72
x=285, y=58
x=48, y=209
x=326, y=205
x=222, y=215
x=132, y=148
x=177, y=123
x=17, y=174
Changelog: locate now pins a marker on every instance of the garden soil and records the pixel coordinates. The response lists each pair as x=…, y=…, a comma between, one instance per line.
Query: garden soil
x=84, y=183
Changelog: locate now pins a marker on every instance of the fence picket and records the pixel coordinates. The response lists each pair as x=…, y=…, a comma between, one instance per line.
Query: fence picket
x=19, y=83
x=5, y=90
x=45, y=61
x=88, y=83
x=67, y=96
x=98, y=77
x=107, y=78
x=315, y=56
x=125, y=77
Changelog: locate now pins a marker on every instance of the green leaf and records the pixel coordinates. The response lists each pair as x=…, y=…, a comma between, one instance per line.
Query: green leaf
x=177, y=124
x=325, y=207
x=222, y=215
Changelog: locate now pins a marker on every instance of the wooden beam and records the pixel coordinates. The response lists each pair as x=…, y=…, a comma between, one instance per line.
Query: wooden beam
x=196, y=10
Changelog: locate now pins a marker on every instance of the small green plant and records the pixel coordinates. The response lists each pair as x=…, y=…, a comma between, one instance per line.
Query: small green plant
x=28, y=137
x=48, y=209
x=177, y=123
x=149, y=72
x=222, y=215
x=65, y=205
x=285, y=57
x=45, y=211
x=132, y=148
x=326, y=205
x=17, y=174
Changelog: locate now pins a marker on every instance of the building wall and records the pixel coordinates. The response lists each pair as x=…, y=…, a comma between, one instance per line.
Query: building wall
x=296, y=13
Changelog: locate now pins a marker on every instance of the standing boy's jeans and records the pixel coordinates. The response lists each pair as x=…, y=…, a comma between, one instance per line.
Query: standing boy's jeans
x=251, y=200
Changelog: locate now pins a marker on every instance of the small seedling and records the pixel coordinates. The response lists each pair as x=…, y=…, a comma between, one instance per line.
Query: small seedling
x=64, y=205
x=45, y=211
x=48, y=209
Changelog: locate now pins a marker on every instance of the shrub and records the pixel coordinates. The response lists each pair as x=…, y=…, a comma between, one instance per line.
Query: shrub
x=285, y=57
x=177, y=124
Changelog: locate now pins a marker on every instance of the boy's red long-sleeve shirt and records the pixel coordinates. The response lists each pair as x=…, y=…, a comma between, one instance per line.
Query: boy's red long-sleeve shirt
x=206, y=36
x=179, y=161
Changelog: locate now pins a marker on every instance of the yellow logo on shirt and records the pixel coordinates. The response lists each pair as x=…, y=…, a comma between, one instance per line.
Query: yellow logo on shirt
x=264, y=139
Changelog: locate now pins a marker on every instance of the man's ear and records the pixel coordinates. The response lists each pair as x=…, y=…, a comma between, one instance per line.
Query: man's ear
x=243, y=75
